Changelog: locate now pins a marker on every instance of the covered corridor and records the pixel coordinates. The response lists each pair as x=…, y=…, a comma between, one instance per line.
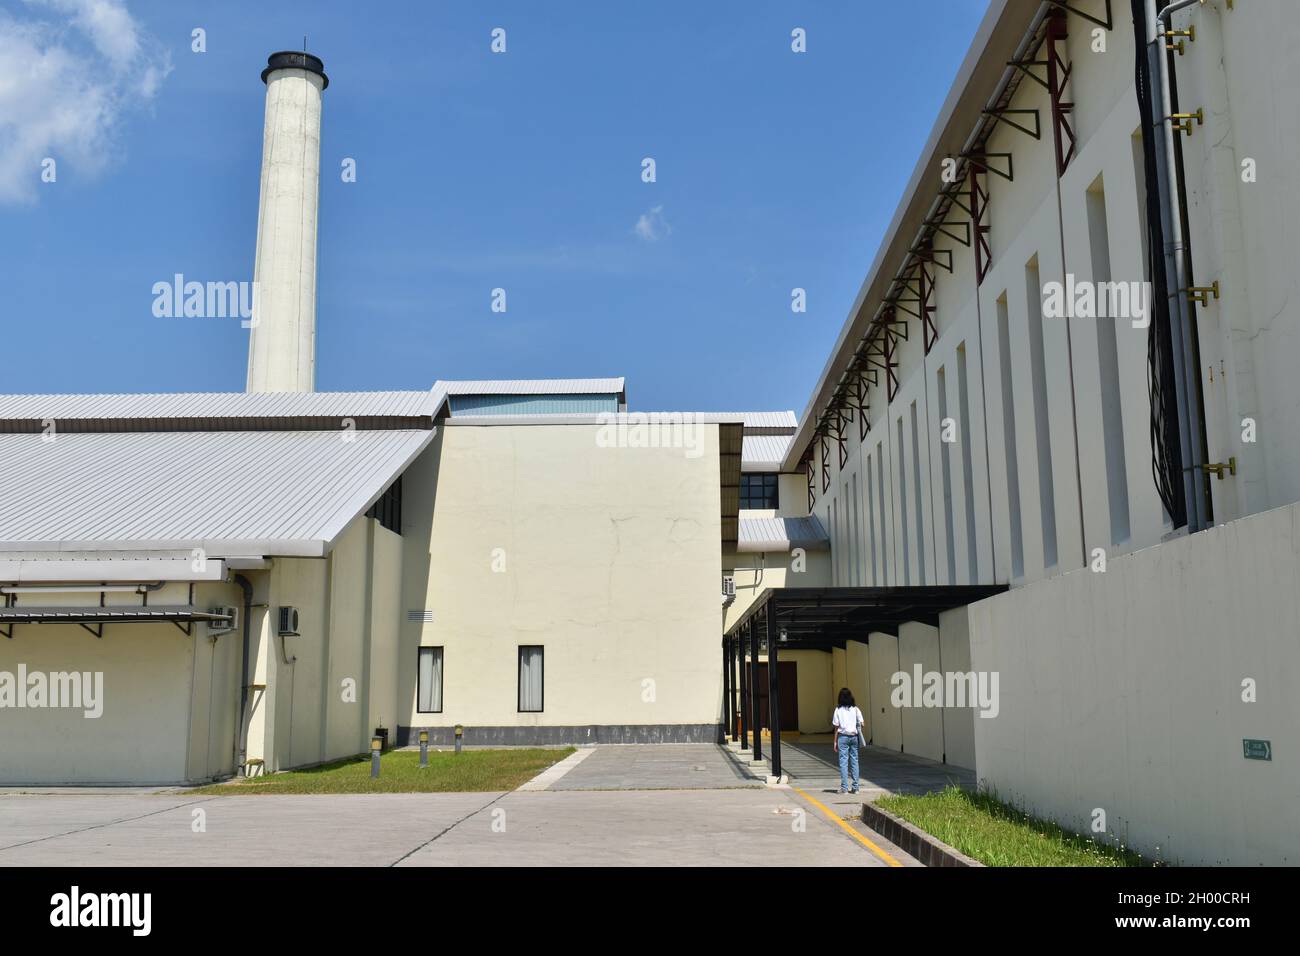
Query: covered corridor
x=846, y=619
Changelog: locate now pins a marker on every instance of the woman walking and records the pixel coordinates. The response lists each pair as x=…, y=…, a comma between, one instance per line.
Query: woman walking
x=848, y=723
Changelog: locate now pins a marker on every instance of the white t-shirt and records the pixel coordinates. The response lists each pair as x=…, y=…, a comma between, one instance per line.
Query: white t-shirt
x=848, y=720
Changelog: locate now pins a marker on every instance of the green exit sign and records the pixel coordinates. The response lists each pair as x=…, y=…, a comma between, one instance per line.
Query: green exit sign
x=1257, y=749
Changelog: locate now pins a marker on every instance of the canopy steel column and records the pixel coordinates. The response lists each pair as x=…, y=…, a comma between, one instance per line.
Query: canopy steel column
x=735, y=688
x=773, y=688
x=725, y=725
x=757, y=722
x=744, y=688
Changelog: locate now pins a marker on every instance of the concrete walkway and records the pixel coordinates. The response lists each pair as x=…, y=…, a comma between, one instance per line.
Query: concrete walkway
x=716, y=816
x=814, y=763
x=812, y=766
x=656, y=767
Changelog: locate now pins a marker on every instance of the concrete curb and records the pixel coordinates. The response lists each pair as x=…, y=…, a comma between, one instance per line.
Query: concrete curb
x=912, y=840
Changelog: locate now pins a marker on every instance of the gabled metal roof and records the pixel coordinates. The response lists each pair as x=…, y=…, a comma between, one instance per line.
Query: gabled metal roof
x=238, y=493
x=764, y=452
x=202, y=409
x=765, y=420
x=781, y=534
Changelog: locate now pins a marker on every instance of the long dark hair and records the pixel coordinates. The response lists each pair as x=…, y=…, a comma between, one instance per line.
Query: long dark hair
x=846, y=698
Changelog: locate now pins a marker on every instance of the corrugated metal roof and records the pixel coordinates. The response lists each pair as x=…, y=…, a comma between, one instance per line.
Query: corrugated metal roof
x=781, y=534
x=230, y=493
x=211, y=405
x=764, y=452
x=765, y=419
x=602, y=418
x=536, y=386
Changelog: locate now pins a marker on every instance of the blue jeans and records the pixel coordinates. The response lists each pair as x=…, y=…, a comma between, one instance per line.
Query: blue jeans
x=848, y=748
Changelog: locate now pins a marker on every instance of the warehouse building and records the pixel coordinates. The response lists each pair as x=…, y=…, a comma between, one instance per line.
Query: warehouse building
x=1090, y=509
x=263, y=580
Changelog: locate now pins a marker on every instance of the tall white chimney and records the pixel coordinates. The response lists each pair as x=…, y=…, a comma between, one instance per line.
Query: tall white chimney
x=282, y=342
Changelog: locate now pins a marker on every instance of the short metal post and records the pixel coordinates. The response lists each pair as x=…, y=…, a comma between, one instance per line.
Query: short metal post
x=757, y=722
x=744, y=689
x=376, y=746
x=424, y=748
x=773, y=687
x=460, y=734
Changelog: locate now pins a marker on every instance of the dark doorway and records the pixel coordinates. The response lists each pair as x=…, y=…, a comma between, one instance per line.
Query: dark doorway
x=788, y=674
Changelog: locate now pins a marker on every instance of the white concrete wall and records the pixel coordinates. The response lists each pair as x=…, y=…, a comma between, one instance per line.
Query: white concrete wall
x=608, y=557
x=857, y=678
x=1123, y=691
x=883, y=663
x=385, y=629
x=922, y=726
x=958, y=722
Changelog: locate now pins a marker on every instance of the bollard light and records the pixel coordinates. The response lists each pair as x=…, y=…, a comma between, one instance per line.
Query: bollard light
x=460, y=734
x=376, y=746
x=424, y=748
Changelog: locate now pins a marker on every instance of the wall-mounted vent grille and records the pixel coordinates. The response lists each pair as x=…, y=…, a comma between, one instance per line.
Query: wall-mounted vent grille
x=418, y=616
x=226, y=626
x=728, y=586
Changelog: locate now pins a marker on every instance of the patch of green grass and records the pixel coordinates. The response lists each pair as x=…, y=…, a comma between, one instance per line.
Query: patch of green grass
x=997, y=834
x=400, y=772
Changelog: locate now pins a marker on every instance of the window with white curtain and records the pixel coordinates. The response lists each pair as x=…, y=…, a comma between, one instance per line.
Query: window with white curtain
x=530, y=679
x=430, y=687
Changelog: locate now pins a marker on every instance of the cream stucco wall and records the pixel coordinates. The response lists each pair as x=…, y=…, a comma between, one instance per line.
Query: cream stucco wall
x=857, y=678
x=609, y=557
x=816, y=700
x=168, y=699
x=756, y=572
x=326, y=688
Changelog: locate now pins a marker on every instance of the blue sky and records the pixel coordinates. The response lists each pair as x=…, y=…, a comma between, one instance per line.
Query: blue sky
x=475, y=170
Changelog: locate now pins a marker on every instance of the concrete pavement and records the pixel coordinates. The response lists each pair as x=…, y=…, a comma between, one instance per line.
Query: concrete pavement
x=651, y=805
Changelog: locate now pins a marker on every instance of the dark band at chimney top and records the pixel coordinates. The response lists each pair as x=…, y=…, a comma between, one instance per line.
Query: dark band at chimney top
x=295, y=60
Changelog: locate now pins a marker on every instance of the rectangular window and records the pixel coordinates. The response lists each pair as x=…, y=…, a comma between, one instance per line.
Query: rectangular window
x=1009, y=440
x=902, y=504
x=1112, y=415
x=530, y=679
x=859, y=572
x=871, y=523
x=758, y=491
x=388, y=509
x=950, y=533
x=967, y=466
x=917, y=497
x=429, y=695
x=835, y=545
x=884, y=515
x=1042, y=423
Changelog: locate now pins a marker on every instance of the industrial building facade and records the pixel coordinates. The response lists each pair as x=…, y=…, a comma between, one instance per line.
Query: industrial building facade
x=989, y=414
x=1053, y=448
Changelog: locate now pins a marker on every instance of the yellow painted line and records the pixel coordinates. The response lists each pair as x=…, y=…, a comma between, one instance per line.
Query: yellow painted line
x=847, y=829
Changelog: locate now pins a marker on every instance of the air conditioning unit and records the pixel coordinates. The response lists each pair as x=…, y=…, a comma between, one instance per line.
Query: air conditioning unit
x=223, y=627
x=728, y=586
x=288, y=622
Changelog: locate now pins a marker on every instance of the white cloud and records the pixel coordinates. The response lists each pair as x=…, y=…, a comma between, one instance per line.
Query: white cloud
x=67, y=76
x=652, y=226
